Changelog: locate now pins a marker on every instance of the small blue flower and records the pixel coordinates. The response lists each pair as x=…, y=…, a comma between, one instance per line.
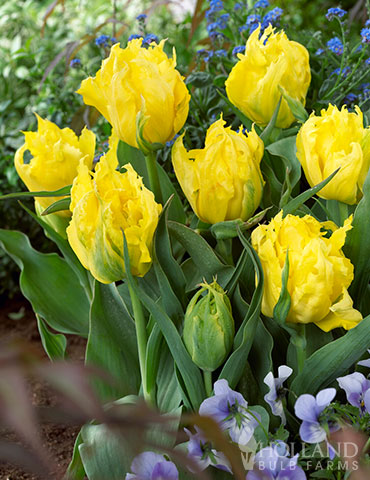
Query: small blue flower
x=209, y=56
x=152, y=466
x=134, y=36
x=261, y=4
x=238, y=6
x=357, y=388
x=243, y=28
x=335, y=12
x=316, y=420
x=230, y=410
x=272, y=17
x=212, y=27
x=221, y=53
x=202, y=453
x=148, y=39
x=367, y=61
x=319, y=51
x=367, y=23
x=216, y=36
x=335, y=45
x=359, y=48
x=350, y=98
x=75, y=63
x=171, y=142
x=102, y=41
x=113, y=40
x=238, y=49
x=142, y=17
x=253, y=20
x=276, y=392
x=223, y=19
x=274, y=463
x=217, y=4
x=345, y=72
x=365, y=34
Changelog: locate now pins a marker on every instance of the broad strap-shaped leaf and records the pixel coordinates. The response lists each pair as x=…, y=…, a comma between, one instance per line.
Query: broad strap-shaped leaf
x=234, y=366
x=207, y=262
x=357, y=247
x=61, y=192
x=54, y=343
x=189, y=371
x=112, y=344
x=333, y=360
x=286, y=149
x=50, y=285
x=296, y=202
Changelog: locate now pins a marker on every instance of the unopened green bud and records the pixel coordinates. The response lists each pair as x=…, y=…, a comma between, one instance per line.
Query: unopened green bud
x=209, y=327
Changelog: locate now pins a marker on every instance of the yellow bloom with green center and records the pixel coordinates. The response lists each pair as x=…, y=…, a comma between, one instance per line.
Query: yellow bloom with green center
x=269, y=64
x=319, y=272
x=105, y=204
x=144, y=81
x=49, y=159
x=335, y=139
x=222, y=181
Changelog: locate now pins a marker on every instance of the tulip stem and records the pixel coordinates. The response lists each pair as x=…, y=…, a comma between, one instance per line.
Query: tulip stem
x=142, y=339
x=151, y=167
x=207, y=376
x=300, y=343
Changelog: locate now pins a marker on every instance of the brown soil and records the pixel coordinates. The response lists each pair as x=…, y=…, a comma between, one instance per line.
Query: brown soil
x=58, y=439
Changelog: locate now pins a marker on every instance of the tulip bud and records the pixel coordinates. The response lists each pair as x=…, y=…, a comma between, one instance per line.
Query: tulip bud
x=271, y=62
x=336, y=138
x=209, y=327
x=223, y=181
x=138, y=86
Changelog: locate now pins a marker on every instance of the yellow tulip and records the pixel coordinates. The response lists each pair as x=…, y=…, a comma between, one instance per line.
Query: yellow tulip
x=319, y=273
x=104, y=204
x=222, y=181
x=134, y=81
x=55, y=155
x=269, y=62
x=335, y=139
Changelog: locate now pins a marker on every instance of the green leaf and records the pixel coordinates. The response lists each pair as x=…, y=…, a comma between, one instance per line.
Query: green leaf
x=333, y=360
x=105, y=456
x=76, y=469
x=233, y=368
x=205, y=259
x=265, y=135
x=260, y=357
x=67, y=252
x=286, y=149
x=164, y=257
x=295, y=106
x=54, y=343
x=112, y=344
x=189, y=372
x=199, y=79
x=169, y=395
x=128, y=154
x=294, y=204
x=49, y=284
x=58, y=206
x=282, y=307
x=357, y=248
x=61, y=192
x=263, y=425
x=153, y=354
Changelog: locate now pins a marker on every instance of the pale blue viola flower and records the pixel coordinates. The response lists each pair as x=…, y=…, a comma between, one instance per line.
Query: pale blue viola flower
x=316, y=423
x=152, y=466
x=274, y=463
x=365, y=363
x=276, y=392
x=230, y=410
x=202, y=453
x=355, y=385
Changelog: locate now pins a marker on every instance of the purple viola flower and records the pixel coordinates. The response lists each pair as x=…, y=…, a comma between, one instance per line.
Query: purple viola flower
x=273, y=463
x=152, y=466
x=230, y=410
x=276, y=392
x=202, y=453
x=316, y=423
x=355, y=385
x=365, y=363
